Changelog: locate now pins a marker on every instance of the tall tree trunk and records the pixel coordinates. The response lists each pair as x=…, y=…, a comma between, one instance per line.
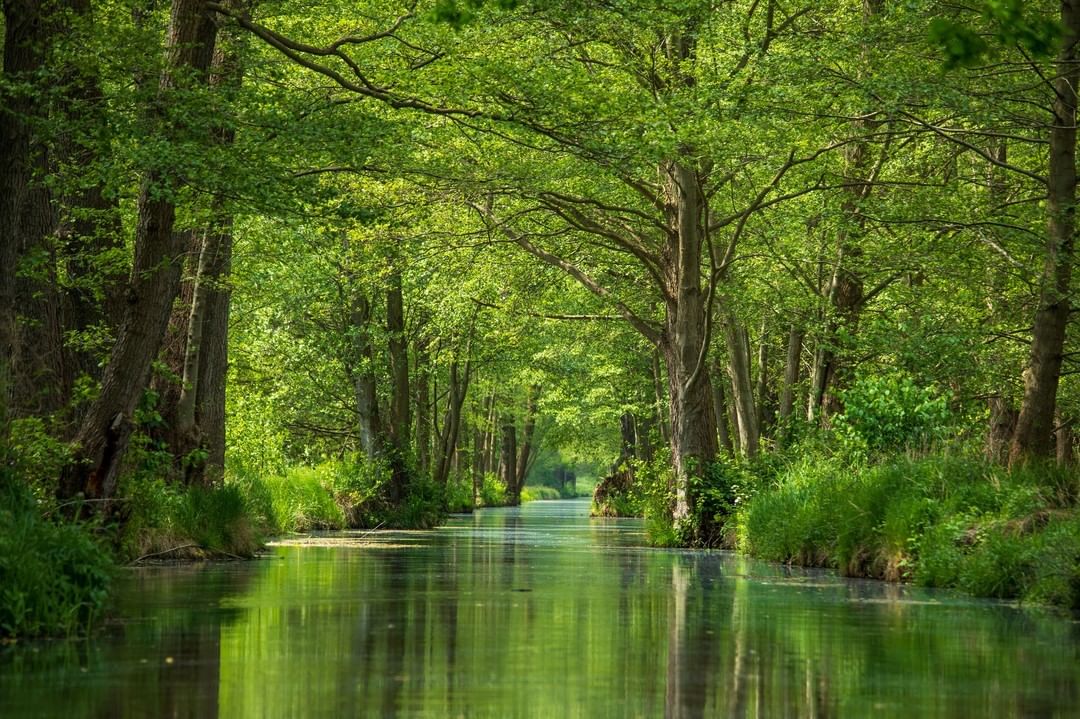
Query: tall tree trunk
x=201, y=406
x=508, y=462
x=155, y=280
x=1003, y=417
x=742, y=386
x=399, y=362
x=791, y=373
x=455, y=399
x=362, y=373
x=422, y=394
x=628, y=433
x=214, y=363
x=525, y=456
x=792, y=367
x=399, y=426
x=721, y=409
x=763, y=416
x=40, y=387
x=1034, y=428
x=23, y=25
x=685, y=338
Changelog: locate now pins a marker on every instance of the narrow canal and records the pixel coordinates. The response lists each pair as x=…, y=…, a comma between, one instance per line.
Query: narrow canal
x=541, y=612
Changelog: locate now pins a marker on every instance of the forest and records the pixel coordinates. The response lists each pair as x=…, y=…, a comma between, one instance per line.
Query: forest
x=786, y=277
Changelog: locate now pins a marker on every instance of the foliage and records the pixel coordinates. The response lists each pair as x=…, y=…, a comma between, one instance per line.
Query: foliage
x=492, y=492
x=54, y=577
x=888, y=413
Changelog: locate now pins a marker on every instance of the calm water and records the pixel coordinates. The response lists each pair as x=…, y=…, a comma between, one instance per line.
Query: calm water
x=541, y=612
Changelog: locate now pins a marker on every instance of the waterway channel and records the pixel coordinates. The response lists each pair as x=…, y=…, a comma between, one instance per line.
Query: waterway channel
x=540, y=611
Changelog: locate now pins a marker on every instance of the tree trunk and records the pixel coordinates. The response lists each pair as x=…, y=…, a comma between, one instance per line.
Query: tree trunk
x=23, y=24
x=685, y=339
x=763, y=415
x=721, y=409
x=791, y=373
x=525, y=457
x=104, y=432
x=423, y=405
x=628, y=433
x=455, y=399
x=742, y=386
x=399, y=362
x=38, y=369
x=400, y=426
x=1066, y=441
x=1002, y=425
x=365, y=388
x=508, y=463
x=214, y=363
x=792, y=368
x=1034, y=428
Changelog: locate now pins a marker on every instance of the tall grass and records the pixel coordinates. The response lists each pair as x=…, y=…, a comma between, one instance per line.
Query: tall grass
x=951, y=521
x=54, y=577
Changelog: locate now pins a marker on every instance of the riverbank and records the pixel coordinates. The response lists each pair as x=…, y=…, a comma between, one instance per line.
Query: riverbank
x=939, y=521
x=56, y=572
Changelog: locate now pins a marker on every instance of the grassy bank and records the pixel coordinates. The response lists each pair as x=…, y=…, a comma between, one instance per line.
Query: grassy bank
x=54, y=576
x=944, y=521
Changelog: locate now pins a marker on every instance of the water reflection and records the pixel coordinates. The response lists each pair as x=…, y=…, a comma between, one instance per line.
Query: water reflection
x=542, y=612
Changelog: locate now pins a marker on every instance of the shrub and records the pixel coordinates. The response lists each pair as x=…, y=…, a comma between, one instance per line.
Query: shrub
x=890, y=413
x=458, y=496
x=492, y=492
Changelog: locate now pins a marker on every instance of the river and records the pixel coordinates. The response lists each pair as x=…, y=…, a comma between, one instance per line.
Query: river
x=540, y=612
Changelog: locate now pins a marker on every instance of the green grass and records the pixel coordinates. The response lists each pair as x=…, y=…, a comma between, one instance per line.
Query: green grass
x=54, y=577
x=534, y=493
x=948, y=521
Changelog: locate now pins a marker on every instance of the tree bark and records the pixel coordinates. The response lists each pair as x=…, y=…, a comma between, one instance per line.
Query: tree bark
x=422, y=401
x=525, y=457
x=400, y=426
x=103, y=435
x=23, y=24
x=1034, y=428
x=763, y=414
x=399, y=362
x=685, y=338
x=455, y=399
x=508, y=463
x=721, y=409
x=742, y=386
x=365, y=389
x=791, y=373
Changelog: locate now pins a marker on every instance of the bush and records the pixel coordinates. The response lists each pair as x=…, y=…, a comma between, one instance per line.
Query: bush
x=890, y=413
x=54, y=578
x=492, y=492
x=458, y=496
